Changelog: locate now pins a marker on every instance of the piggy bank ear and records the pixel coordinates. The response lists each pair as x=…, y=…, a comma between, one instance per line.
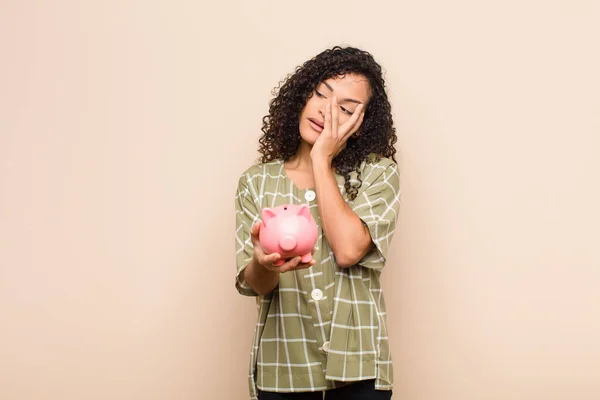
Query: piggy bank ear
x=304, y=211
x=267, y=215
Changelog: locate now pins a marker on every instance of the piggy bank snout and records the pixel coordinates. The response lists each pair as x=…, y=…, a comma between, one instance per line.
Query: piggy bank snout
x=287, y=243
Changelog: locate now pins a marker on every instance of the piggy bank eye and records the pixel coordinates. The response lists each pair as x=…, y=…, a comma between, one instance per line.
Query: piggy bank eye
x=285, y=208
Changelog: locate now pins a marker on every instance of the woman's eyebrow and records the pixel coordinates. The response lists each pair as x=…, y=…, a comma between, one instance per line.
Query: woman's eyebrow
x=350, y=100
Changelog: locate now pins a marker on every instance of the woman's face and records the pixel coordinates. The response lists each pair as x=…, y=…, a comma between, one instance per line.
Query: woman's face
x=350, y=90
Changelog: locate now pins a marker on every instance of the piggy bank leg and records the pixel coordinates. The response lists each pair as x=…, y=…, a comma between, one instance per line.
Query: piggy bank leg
x=279, y=262
x=306, y=258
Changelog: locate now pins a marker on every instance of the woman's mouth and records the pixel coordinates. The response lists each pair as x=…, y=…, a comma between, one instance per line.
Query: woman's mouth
x=316, y=125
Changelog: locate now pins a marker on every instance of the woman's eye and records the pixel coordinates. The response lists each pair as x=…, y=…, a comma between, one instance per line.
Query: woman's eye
x=346, y=111
x=318, y=94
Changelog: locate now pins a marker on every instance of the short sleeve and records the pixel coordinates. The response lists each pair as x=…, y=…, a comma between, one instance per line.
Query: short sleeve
x=377, y=205
x=246, y=215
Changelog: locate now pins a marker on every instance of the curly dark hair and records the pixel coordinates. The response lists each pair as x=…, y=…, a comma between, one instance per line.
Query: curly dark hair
x=281, y=135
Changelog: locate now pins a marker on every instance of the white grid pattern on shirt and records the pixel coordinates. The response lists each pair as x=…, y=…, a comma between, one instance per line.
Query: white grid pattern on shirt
x=379, y=196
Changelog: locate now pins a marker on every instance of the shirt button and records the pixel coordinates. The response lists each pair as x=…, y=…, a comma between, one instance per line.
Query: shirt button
x=317, y=294
x=310, y=195
x=325, y=347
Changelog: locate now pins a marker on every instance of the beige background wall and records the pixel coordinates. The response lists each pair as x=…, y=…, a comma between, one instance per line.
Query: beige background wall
x=124, y=126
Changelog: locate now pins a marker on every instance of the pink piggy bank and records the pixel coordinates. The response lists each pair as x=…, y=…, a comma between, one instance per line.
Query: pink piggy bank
x=289, y=230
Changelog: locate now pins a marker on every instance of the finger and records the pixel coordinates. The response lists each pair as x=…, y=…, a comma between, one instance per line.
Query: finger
x=335, y=117
x=361, y=119
x=290, y=265
x=327, y=124
x=308, y=264
x=254, y=232
x=272, y=258
x=305, y=265
x=255, y=229
x=354, y=119
x=354, y=123
x=259, y=254
x=269, y=260
x=358, y=124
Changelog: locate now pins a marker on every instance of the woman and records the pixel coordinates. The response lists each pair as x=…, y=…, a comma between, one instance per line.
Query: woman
x=328, y=142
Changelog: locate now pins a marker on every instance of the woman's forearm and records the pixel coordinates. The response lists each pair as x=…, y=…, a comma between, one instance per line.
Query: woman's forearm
x=260, y=279
x=349, y=239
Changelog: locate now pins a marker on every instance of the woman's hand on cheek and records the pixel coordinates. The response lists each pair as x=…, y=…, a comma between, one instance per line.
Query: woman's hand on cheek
x=333, y=138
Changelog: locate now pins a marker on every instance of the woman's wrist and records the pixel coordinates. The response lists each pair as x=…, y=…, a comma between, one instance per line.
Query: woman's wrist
x=261, y=269
x=260, y=278
x=320, y=160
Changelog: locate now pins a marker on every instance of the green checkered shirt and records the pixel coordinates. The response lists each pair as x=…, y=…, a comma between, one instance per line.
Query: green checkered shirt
x=324, y=326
